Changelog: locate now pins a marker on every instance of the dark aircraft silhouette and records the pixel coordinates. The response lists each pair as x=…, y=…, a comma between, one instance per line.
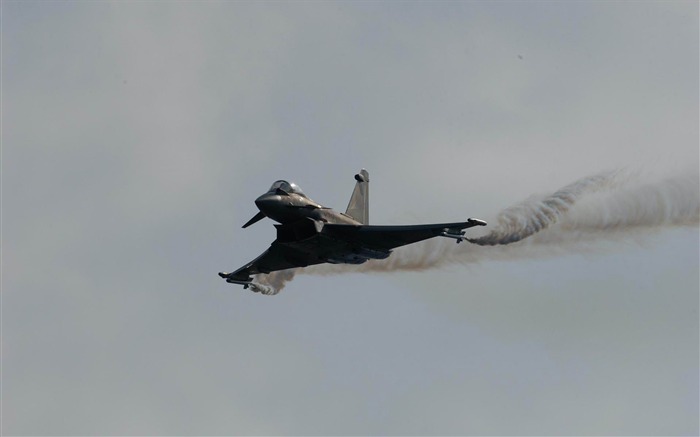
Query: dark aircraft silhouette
x=310, y=233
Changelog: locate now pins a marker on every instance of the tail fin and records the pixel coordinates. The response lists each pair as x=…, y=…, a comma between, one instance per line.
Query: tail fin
x=358, y=208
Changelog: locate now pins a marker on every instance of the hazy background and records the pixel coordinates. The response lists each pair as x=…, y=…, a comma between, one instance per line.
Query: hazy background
x=136, y=135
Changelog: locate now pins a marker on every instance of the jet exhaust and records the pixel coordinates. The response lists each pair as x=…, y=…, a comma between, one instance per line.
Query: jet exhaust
x=534, y=215
x=580, y=217
x=272, y=283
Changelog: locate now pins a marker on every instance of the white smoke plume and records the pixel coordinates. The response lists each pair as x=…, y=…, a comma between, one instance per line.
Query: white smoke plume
x=605, y=207
x=272, y=283
x=534, y=215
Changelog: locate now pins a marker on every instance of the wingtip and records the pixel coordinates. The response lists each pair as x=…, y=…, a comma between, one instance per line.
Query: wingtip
x=476, y=222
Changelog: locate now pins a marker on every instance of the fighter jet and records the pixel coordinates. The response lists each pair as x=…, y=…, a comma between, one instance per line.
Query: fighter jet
x=309, y=233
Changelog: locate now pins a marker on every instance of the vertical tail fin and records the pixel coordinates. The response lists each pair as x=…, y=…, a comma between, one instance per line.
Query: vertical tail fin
x=358, y=208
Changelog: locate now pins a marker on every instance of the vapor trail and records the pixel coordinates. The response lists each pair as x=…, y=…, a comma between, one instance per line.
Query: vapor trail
x=534, y=215
x=605, y=207
x=274, y=282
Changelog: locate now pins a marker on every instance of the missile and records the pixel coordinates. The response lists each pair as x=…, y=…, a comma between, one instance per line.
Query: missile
x=453, y=233
x=231, y=280
x=245, y=284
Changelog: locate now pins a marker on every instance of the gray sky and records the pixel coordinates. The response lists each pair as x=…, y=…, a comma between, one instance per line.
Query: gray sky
x=136, y=135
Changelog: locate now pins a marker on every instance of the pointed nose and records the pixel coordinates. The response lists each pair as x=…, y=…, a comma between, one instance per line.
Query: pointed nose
x=267, y=202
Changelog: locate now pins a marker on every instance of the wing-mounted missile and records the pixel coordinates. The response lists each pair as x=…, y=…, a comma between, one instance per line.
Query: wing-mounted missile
x=458, y=233
x=240, y=280
x=245, y=284
x=455, y=233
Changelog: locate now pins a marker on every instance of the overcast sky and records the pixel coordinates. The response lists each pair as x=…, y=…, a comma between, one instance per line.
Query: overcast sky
x=136, y=136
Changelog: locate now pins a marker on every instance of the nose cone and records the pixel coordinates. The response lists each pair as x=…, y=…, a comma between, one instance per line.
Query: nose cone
x=267, y=202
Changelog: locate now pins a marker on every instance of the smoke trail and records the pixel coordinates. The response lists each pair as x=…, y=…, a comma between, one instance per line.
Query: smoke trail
x=608, y=207
x=532, y=216
x=272, y=283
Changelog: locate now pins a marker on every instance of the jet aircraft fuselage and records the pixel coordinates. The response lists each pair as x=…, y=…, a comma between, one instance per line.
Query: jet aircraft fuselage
x=309, y=233
x=285, y=203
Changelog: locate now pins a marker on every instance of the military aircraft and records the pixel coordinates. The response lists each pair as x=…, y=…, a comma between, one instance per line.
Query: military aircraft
x=309, y=233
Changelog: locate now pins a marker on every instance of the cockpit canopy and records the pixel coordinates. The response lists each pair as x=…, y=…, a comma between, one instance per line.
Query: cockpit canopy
x=287, y=187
